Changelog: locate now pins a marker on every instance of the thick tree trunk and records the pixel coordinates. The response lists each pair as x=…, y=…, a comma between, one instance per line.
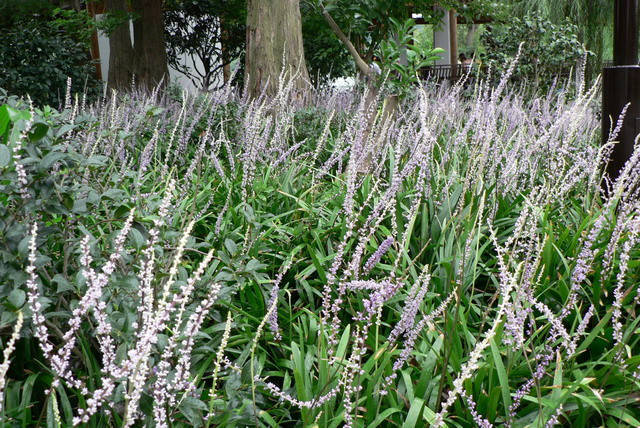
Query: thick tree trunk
x=274, y=40
x=149, y=47
x=120, y=50
x=95, y=47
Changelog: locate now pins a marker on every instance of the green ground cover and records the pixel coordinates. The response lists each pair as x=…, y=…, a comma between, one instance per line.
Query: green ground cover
x=215, y=261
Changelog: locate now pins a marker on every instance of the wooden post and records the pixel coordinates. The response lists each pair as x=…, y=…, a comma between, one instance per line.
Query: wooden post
x=453, y=37
x=621, y=86
x=625, y=33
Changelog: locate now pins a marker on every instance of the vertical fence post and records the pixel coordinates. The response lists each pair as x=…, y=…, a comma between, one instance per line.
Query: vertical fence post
x=625, y=36
x=621, y=86
x=453, y=37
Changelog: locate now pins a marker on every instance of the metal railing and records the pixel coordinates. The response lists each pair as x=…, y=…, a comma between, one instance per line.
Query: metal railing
x=442, y=72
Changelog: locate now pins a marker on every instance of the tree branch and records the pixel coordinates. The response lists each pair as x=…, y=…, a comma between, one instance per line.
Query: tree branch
x=362, y=66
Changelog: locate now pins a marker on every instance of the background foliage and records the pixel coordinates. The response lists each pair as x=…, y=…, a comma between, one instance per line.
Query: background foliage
x=40, y=47
x=548, y=49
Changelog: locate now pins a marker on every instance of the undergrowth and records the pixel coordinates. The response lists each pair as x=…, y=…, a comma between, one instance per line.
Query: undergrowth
x=217, y=261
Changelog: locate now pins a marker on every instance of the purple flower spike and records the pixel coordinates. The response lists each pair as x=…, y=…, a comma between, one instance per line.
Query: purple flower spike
x=375, y=257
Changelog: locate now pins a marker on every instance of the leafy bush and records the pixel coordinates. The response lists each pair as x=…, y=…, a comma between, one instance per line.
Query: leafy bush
x=312, y=123
x=37, y=59
x=548, y=49
x=43, y=177
x=399, y=76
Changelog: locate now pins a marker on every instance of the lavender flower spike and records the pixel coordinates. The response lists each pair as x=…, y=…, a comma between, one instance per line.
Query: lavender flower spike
x=375, y=257
x=10, y=346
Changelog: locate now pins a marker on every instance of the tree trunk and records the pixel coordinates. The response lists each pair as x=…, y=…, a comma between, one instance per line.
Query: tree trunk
x=274, y=40
x=120, y=50
x=470, y=36
x=149, y=48
x=95, y=47
x=226, y=66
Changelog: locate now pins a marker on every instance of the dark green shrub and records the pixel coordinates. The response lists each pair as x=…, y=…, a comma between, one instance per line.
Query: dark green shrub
x=52, y=193
x=326, y=57
x=37, y=59
x=13, y=12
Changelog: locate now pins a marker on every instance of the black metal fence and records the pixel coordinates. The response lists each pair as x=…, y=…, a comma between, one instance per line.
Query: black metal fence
x=443, y=72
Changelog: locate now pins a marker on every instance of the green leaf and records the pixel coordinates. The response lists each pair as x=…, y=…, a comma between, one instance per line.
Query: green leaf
x=17, y=298
x=5, y=155
x=50, y=159
x=52, y=410
x=64, y=129
x=16, y=115
x=138, y=239
x=254, y=265
x=502, y=375
x=557, y=378
x=79, y=206
x=231, y=246
x=382, y=416
x=114, y=194
x=317, y=263
x=4, y=119
x=96, y=160
x=408, y=384
x=300, y=375
x=192, y=409
x=595, y=332
x=155, y=111
x=264, y=415
x=38, y=131
x=63, y=283
x=414, y=413
x=27, y=389
x=624, y=416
